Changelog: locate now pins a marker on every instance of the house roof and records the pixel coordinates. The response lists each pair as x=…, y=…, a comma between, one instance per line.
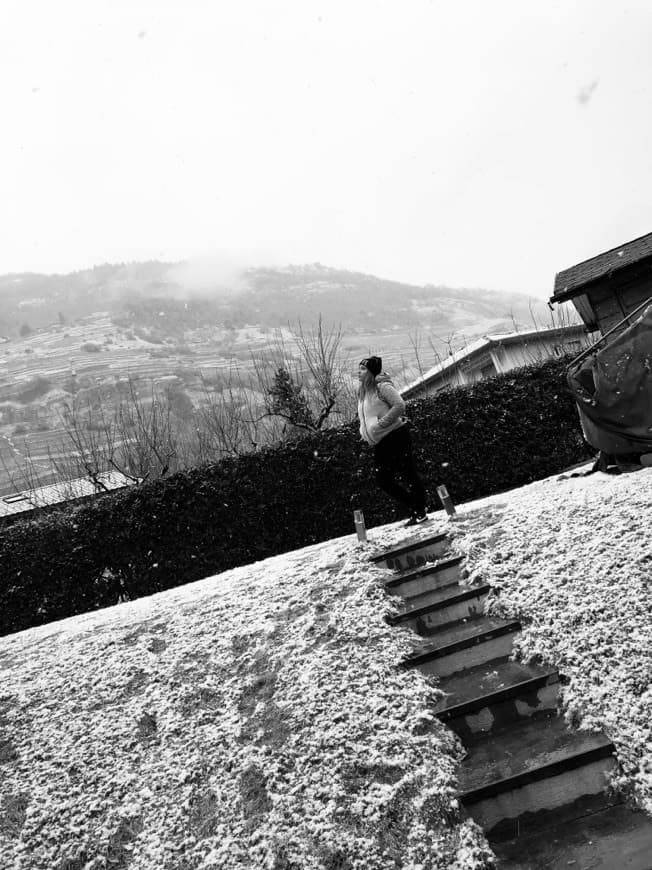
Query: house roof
x=482, y=344
x=568, y=281
x=69, y=490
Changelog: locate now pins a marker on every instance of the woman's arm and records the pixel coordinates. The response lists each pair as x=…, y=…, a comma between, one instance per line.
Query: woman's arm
x=392, y=397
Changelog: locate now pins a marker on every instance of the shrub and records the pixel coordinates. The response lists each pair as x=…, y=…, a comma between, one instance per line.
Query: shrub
x=8, y=413
x=478, y=440
x=35, y=387
x=90, y=347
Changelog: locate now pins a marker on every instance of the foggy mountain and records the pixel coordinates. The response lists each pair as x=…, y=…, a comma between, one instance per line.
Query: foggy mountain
x=183, y=329
x=136, y=293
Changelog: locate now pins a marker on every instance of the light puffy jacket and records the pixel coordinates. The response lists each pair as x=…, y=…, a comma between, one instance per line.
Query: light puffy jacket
x=381, y=411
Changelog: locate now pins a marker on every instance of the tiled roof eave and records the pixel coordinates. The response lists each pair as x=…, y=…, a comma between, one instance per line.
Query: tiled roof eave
x=573, y=281
x=577, y=288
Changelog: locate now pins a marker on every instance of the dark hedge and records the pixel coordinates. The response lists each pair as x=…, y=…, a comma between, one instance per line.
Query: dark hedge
x=479, y=440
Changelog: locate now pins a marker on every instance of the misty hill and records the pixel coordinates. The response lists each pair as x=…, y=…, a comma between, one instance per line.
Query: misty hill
x=183, y=328
x=40, y=300
x=173, y=297
x=363, y=301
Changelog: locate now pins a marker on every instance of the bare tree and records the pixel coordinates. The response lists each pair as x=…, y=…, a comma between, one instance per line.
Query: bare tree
x=301, y=384
x=228, y=421
x=512, y=317
x=25, y=472
x=416, y=339
x=564, y=315
x=137, y=438
x=534, y=320
x=450, y=347
x=320, y=351
x=303, y=381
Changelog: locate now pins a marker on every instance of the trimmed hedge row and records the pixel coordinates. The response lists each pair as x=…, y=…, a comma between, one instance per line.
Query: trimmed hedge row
x=478, y=440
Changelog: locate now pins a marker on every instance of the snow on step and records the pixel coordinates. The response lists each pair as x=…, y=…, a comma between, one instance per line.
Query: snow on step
x=414, y=553
x=436, y=575
x=616, y=838
x=492, y=695
x=460, y=631
x=535, y=765
x=460, y=605
x=417, y=603
x=487, y=644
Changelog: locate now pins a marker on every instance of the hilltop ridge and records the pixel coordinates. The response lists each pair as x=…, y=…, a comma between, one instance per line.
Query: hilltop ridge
x=267, y=296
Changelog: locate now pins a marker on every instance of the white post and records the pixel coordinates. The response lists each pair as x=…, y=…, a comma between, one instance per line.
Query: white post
x=358, y=519
x=446, y=500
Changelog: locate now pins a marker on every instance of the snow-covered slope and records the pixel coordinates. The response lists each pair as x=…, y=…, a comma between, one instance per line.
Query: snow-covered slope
x=574, y=557
x=252, y=720
x=257, y=719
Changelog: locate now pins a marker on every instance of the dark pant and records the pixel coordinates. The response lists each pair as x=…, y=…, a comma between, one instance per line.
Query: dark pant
x=393, y=458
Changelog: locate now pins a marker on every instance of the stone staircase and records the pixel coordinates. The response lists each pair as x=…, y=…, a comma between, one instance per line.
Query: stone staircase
x=537, y=787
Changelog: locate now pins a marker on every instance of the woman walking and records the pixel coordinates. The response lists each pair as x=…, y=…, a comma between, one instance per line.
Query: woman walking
x=382, y=425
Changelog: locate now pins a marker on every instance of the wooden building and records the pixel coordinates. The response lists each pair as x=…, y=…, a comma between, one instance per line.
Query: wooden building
x=608, y=287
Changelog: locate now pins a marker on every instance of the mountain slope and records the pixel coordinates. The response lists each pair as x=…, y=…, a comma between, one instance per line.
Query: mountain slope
x=260, y=296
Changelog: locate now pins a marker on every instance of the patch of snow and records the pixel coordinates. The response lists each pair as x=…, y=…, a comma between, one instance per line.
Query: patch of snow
x=250, y=720
x=572, y=558
x=258, y=716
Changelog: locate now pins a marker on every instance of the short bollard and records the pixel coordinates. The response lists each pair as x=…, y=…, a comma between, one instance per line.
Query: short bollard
x=446, y=500
x=358, y=519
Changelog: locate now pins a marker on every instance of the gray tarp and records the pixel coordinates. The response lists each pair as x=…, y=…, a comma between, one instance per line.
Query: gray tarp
x=613, y=390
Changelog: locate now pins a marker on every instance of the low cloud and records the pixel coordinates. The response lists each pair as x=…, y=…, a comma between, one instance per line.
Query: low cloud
x=217, y=274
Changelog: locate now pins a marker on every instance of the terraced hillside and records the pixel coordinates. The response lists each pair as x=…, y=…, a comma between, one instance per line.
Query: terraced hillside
x=77, y=338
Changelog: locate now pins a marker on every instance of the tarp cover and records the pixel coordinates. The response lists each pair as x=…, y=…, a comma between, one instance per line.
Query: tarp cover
x=613, y=390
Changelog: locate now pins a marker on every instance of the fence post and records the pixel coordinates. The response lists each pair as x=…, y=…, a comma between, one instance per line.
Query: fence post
x=358, y=519
x=446, y=500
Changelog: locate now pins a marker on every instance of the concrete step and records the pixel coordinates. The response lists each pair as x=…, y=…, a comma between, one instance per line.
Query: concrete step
x=486, y=644
x=459, y=604
x=533, y=767
x=413, y=554
x=615, y=838
x=458, y=631
x=490, y=696
x=416, y=602
x=419, y=603
x=410, y=584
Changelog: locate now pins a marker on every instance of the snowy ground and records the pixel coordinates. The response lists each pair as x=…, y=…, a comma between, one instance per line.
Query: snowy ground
x=257, y=719
x=252, y=720
x=573, y=557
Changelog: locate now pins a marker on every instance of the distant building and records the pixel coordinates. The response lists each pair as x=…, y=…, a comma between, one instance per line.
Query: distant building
x=58, y=493
x=609, y=286
x=494, y=354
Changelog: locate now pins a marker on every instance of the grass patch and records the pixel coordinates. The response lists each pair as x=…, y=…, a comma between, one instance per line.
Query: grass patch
x=13, y=812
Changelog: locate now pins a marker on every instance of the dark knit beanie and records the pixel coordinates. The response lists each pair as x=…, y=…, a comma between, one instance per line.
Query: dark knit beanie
x=374, y=364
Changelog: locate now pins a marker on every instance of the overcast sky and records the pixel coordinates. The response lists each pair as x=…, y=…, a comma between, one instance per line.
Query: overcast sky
x=466, y=142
